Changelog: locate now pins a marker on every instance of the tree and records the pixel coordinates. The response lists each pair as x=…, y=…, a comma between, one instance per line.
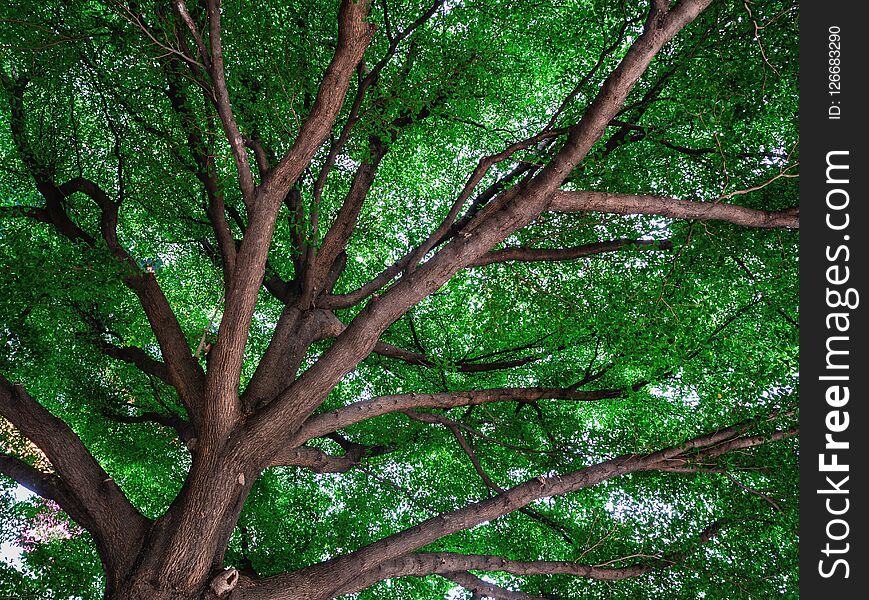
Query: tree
x=393, y=299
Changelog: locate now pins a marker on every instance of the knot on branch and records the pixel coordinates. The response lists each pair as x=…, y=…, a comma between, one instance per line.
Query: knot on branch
x=224, y=582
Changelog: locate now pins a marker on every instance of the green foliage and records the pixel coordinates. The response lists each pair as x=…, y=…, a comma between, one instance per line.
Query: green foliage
x=710, y=324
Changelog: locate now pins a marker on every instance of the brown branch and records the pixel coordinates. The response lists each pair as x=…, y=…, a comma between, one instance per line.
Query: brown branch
x=561, y=254
x=445, y=563
x=483, y=167
x=340, y=570
x=490, y=227
x=262, y=157
x=416, y=358
x=320, y=260
x=448, y=225
x=368, y=81
x=181, y=7
x=781, y=174
x=294, y=332
x=224, y=108
x=456, y=429
x=205, y=169
x=339, y=234
x=181, y=427
x=471, y=454
x=321, y=462
x=325, y=423
x=644, y=132
x=605, y=53
x=223, y=407
x=185, y=374
x=358, y=295
x=136, y=20
x=98, y=504
x=314, y=459
x=354, y=34
x=631, y=204
x=751, y=490
x=434, y=418
x=138, y=357
x=47, y=486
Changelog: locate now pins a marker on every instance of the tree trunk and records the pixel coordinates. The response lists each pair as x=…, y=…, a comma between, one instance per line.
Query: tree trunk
x=182, y=556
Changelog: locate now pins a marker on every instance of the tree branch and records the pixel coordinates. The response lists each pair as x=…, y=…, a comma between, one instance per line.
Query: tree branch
x=181, y=7
x=450, y=225
x=185, y=373
x=181, y=427
x=138, y=357
x=314, y=459
x=491, y=226
x=129, y=354
x=223, y=407
x=447, y=563
x=294, y=332
x=480, y=587
x=205, y=169
x=630, y=204
x=325, y=423
x=339, y=571
x=320, y=260
x=456, y=429
x=444, y=563
x=416, y=358
x=354, y=34
x=221, y=98
x=47, y=486
x=339, y=234
x=321, y=462
x=561, y=254
x=98, y=504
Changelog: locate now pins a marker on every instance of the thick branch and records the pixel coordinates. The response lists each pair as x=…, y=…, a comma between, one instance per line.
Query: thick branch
x=368, y=81
x=415, y=358
x=321, y=462
x=491, y=226
x=181, y=427
x=320, y=260
x=99, y=504
x=447, y=563
x=629, y=204
x=294, y=332
x=314, y=459
x=354, y=35
x=139, y=358
x=184, y=371
x=334, y=420
x=223, y=407
x=46, y=485
x=339, y=571
x=340, y=232
x=560, y=254
x=481, y=588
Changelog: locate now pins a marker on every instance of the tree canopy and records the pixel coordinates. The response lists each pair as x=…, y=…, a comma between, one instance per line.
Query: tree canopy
x=399, y=299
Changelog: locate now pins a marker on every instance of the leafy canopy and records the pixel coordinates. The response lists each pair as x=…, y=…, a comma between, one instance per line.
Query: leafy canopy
x=699, y=328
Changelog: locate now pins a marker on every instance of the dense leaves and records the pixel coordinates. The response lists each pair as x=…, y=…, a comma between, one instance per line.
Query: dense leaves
x=693, y=330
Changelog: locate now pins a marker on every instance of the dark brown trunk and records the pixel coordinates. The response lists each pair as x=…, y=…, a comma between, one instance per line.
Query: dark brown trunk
x=184, y=550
